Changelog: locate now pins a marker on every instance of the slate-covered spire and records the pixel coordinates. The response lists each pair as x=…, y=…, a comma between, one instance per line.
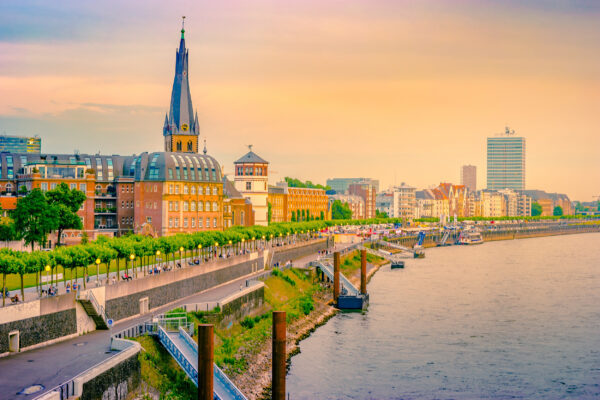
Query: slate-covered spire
x=181, y=112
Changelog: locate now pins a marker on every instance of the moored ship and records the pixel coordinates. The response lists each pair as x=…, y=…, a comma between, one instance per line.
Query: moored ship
x=471, y=236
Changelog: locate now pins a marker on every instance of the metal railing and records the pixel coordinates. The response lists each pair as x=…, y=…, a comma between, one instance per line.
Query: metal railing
x=327, y=268
x=177, y=354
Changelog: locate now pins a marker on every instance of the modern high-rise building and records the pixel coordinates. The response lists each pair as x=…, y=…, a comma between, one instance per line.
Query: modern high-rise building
x=468, y=177
x=506, y=161
x=20, y=144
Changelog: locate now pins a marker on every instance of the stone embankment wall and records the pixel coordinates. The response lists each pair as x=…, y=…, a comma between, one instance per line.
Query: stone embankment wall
x=38, y=322
x=300, y=251
x=508, y=234
x=123, y=299
x=115, y=383
x=48, y=320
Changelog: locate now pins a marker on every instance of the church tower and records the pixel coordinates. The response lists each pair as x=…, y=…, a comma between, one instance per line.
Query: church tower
x=181, y=129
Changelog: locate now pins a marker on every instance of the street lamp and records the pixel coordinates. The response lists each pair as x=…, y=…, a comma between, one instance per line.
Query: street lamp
x=199, y=247
x=98, y=261
x=132, y=257
x=47, y=269
x=180, y=257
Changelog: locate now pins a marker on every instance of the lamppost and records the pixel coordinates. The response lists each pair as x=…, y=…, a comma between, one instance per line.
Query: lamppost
x=156, y=259
x=98, y=261
x=47, y=269
x=132, y=257
x=263, y=242
x=243, y=245
x=217, y=249
x=180, y=257
x=253, y=243
x=230, y=248
x=199, y=250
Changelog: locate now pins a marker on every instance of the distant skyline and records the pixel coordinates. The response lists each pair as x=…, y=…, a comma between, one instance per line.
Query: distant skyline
x=399, y=91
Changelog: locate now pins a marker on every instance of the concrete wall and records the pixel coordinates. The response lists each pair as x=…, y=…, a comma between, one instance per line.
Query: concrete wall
x=236, y=308
x=39, y=321
x=295, y=253
x=123, y=299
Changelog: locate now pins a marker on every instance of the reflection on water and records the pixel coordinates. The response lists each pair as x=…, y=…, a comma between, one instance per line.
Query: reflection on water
x=511, y=319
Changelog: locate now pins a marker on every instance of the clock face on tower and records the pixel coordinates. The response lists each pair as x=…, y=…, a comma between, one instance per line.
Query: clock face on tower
x=184, y=127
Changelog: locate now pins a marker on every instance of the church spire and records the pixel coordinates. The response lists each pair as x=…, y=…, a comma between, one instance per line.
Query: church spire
x=181, y=119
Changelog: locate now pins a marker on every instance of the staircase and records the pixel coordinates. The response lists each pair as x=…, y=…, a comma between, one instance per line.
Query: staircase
x=93, y=309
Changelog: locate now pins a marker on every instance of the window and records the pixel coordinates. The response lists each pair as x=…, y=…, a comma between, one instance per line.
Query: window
x=178, y=146
x=193, y=222
x=215, y=191
x=109, y=164
x=200, y=208
x=208, y=222
x=73, y=186
x=176, y=189
x=44, y=186
x=53, y=185
x=176, y=222
x=82, y=187
x=170, y=173
x=207, y=206
x=193, y=189
x=176, y=206
x=248, y=185
x=155, y=188
x=185, y=174
x=199, y=222
x=170, y=189
x=185, y=206
x=122, y=204
x=185, y=189
x=201, y=190
x=192, y=206
x=137, y=204
x=123, y=189
x=170, y=222
x=185, y=222
x=155, y=205
x=214, y=222
x=215, y=206
x=189, y=146
x=149, y=220
x=99, y=168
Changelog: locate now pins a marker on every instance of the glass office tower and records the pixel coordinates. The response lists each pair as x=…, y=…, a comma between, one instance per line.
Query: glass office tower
x=20, y=144
x=506, y=161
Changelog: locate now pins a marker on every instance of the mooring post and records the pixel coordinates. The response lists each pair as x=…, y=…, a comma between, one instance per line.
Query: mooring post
x=336, y=276
x=363, y=271
x=205, y=361
x=279, y=356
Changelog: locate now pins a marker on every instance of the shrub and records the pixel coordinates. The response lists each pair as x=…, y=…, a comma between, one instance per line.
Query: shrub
x=306, y=304
x=248, y=323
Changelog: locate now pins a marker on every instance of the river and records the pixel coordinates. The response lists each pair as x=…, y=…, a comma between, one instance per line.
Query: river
x=507, y=319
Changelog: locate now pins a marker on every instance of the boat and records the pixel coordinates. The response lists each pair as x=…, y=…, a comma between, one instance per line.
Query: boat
x=471, y=236
x=397, y=264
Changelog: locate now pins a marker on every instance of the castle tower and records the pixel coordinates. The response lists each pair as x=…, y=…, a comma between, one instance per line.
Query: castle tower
x=252, y=181
x=181, y=129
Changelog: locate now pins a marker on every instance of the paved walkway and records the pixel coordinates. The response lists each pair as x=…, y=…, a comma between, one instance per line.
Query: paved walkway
x=53, y=365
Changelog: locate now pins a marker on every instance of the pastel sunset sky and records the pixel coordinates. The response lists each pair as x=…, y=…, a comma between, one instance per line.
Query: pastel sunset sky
x=402, y=91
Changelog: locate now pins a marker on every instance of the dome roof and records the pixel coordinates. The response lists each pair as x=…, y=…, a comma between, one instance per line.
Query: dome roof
x=164, y=166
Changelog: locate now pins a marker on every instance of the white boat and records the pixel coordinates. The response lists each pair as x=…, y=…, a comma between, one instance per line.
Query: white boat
x=471, y=236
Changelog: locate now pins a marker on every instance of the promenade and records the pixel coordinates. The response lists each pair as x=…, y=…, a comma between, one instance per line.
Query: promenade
x=55, y=364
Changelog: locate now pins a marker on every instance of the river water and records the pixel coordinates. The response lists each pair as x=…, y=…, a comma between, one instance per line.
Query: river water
x=502, y=320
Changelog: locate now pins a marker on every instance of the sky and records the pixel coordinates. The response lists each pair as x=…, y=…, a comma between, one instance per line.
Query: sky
x=401, y=91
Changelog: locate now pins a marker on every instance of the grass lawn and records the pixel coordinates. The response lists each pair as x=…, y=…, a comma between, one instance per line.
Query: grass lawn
x=351, y=262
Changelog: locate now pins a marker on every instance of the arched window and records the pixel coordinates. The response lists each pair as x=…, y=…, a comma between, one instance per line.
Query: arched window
x=207, y=206
x=200, y=206
x=189, y=146
x=215, y=206
x=215, y=191
x=178, y=146
x=193, y=190
x=185, y=189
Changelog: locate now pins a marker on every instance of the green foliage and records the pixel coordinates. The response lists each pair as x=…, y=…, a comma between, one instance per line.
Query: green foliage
x=65, y=202
x=7, y=230
x=269, y=212
x=536, y=209
x=340, y=210
x=306, y=304
x=35, y=218
x=293, y=182
x=558, y=211
x=380, y=214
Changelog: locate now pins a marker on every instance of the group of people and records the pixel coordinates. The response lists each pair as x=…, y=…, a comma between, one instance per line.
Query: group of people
x=6, y=294
x=51, y=291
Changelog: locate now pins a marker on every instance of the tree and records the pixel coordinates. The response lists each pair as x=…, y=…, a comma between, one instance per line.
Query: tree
x=269, y=212
x=294, y=216
x=66, y=203
x=7, y=230
x=322, y=216
x=34, y=218
x=340, y=210
x=536, y=209
x=558, y=211
x=8, y=265
x=381, y=214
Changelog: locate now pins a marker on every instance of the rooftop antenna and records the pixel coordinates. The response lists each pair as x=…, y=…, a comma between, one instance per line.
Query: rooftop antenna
x=250, y=147
x=182, y=26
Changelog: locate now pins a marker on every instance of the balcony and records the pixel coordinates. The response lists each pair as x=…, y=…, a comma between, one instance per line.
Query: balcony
x=105, y=195
x=107, y=211
x=101, y=227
